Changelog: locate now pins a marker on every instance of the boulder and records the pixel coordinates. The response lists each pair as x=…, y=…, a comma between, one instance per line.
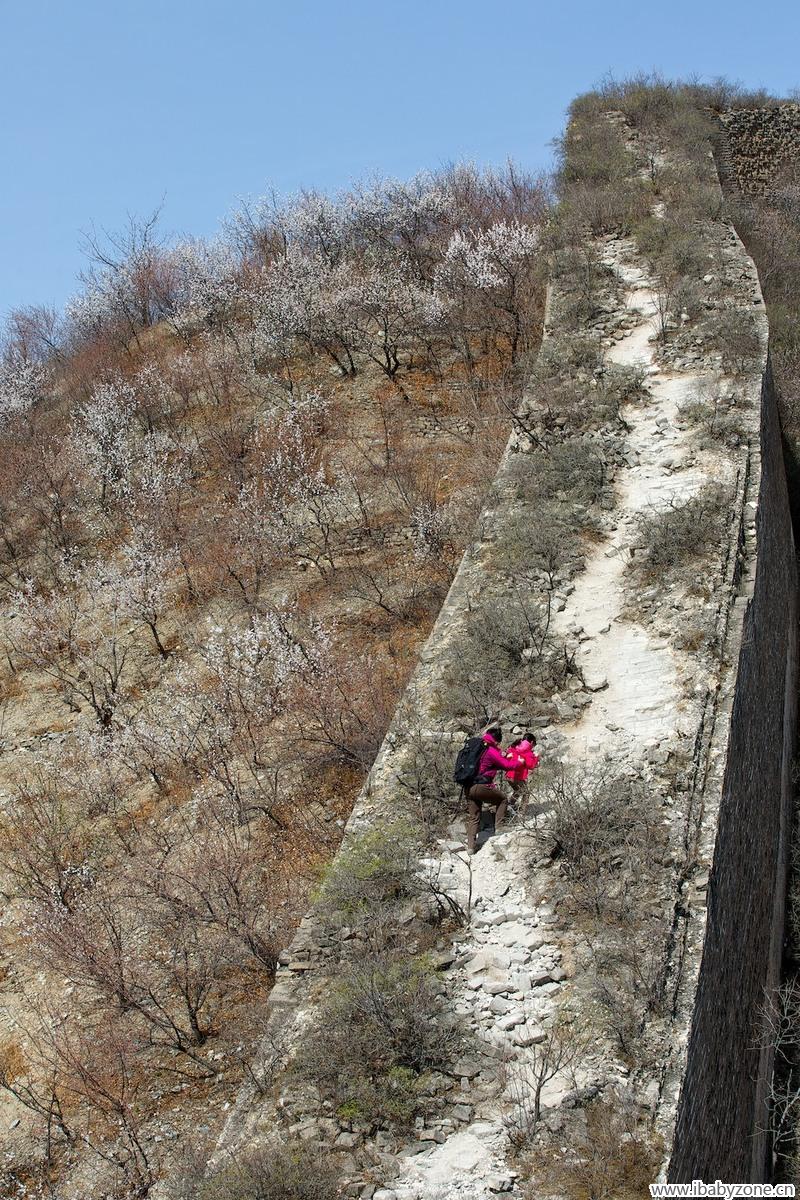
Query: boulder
x=529, y=1035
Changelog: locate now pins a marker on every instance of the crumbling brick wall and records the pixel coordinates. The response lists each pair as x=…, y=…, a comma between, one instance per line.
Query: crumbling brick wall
x=763, y=147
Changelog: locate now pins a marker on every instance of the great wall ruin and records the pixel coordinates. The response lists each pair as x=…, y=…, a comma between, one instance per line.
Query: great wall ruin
x=708, y=735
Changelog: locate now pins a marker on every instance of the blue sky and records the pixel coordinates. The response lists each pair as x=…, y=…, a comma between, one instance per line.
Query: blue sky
x=106, y=107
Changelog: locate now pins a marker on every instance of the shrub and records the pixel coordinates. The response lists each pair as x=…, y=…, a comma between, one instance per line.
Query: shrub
x=426, y=777
x=618, y=385
x=600, y=819
x=694, y=132
x=616, y=205
x=508, y=661
x=572, y=471
x=583, y=280
x=377, y=1033
x=734, y=333
x=675, y=539
x=280, y=1173
x=374, y=870
x=647, y=100
x=393, y=1098
x=563, y=1045
x=596, y=178
x=614, y=1156
x=571, y=388
x=718, y=418
x=592, y=152
x=691, y=194
x=674, y=251
x=606, y=831
x=629, y=976
x=653, y=104
x=688, y=298
x=570, y=354
x=542, y=541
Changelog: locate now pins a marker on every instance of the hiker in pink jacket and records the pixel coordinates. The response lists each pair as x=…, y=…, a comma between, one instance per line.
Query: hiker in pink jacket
x=527, y=760
x=483, y=790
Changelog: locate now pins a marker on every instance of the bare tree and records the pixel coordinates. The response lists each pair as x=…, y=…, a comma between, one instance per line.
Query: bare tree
x=126, y=287
x=555, y=1055
x=84, y=636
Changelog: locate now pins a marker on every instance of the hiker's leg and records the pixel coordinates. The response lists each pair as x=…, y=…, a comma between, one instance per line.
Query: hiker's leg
x=519, y=796
x=473, y=819
x=478, y=795
x=500, y=813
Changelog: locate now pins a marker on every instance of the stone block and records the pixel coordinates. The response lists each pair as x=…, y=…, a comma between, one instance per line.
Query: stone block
x=497, y=987
x=528, y=1035
x=466, y=1068
x=510, y=1021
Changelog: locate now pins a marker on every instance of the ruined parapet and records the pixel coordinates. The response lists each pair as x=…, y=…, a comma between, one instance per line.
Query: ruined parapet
x=762, y=148
x=719, y=725
x=722, y=1119
x=725, y=1075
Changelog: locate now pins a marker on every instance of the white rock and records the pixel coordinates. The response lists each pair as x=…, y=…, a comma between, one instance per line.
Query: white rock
x=533, y=940
x=594, y=679
x=510, y=1021
x=488, y=919
x=497, y=987
x=529, y=1035
x=488, y=959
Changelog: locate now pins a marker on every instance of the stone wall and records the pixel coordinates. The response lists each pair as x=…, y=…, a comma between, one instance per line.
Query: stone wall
x=763, y=146
x=728, y=919
x=717, y=1136
x=720, y=1127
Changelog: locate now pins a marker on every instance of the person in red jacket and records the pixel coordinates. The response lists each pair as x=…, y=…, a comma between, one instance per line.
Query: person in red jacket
x=483, y=791
x=523, y=749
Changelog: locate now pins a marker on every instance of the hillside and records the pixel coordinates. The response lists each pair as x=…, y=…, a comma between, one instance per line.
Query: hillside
x=239, y=479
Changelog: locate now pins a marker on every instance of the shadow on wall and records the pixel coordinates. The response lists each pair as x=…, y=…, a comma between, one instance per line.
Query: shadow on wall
x=723, y=1098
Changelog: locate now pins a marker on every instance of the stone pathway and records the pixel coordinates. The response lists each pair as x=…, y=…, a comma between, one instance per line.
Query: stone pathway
x=633, y=674
x=506, y=988
x=514, y=966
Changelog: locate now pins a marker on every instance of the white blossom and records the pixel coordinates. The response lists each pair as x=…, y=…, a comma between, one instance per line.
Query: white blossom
x=206, y=281
x=22, y=384
x=489, y=257
x=102, y=434
x=395, y=300
x=430, y=530
x=90, y=310
x=316, y=223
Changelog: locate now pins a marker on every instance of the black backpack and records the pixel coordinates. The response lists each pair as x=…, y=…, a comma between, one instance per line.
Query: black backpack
x=468, y=761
